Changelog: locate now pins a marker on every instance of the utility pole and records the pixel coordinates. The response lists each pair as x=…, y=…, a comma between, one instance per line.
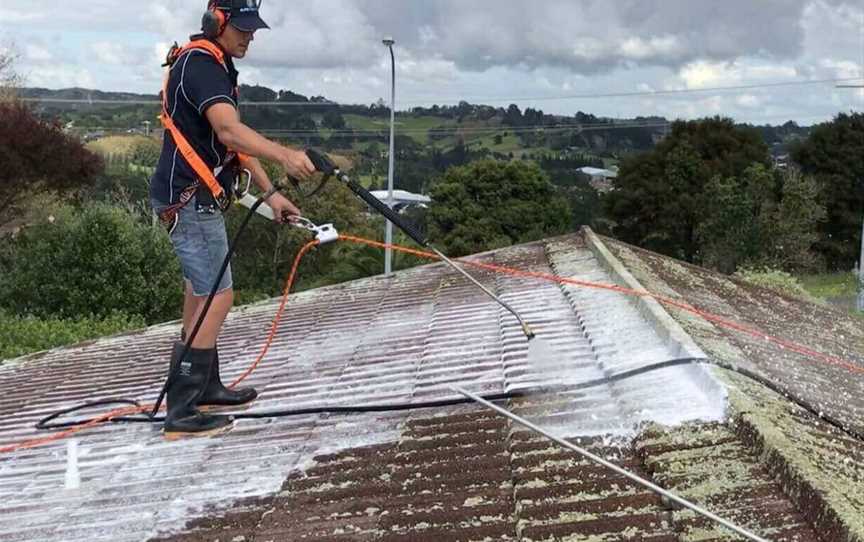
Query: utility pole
x=388, y=232
x=861, y=260
x=861, y=275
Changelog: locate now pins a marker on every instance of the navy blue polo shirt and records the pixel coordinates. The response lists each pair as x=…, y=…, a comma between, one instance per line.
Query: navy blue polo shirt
x=197, y=81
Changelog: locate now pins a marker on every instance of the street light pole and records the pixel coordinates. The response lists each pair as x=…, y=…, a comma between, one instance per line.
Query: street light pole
x=388, y=232
x=861, y=275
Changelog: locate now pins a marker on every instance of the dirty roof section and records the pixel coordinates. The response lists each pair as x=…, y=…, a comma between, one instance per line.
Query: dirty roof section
x=472, y=476
x=821, y=464
x=401, y=340
x=830, y=388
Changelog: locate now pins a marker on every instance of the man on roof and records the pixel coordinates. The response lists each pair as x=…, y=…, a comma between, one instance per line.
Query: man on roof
x=205, y=143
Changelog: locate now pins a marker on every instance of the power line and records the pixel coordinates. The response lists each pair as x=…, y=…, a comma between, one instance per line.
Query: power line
x=668, y=92
x=156, y=102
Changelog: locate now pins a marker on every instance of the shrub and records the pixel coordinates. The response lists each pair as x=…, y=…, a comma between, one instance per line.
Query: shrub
x=23, y=335
x=94, y=261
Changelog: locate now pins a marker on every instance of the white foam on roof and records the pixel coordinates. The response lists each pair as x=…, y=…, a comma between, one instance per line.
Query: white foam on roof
x=374, y=341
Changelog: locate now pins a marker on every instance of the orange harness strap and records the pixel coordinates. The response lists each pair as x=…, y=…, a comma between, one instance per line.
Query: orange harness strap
x=186, y=150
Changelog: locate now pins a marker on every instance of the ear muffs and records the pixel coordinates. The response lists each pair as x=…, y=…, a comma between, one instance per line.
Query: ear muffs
x=213, y=23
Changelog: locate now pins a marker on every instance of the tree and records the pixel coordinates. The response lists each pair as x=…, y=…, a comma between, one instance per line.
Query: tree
x=333, y=120
x=9, y=80
x=794, y=228
x=763, y=218
x=735, y=213
x=488, y=204
x=658, y=201
x=36, y=156
x=832, y=155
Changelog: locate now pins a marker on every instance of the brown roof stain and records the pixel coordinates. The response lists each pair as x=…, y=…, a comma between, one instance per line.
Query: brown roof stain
x=472, y=476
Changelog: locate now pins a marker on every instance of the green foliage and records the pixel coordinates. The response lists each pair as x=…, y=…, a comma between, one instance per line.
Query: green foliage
x=794, y=226
x=96, y=260
x=828, y=285
x=145, y=153
x=833, y=154
x=23, y=335
x=762, y=218
x=659, y=199
x=775, y=279
x=737, y=210
x=266, y=252
x=489, y=204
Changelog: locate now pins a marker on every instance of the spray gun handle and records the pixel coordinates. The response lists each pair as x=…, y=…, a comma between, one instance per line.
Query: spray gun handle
x=321, y=162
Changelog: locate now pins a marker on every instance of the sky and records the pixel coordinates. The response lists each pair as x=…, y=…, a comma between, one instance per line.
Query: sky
x=561, y=56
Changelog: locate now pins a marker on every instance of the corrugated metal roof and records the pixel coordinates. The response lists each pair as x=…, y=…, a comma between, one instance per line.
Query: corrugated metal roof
x=373, y=341
x=458, y=473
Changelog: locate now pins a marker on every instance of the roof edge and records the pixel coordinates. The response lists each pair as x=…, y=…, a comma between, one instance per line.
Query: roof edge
x=664, y=325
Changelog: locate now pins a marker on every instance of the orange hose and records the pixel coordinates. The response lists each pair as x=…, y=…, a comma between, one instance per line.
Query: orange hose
x=275, y=326
x=130, y=411
x=788, y=345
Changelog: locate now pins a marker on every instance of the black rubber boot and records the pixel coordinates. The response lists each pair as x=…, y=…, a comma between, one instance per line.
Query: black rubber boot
x=216, y=394
x=189, y=378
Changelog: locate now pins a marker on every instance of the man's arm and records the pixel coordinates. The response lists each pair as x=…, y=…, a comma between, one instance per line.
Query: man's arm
x=282, y=207
x=240, y=138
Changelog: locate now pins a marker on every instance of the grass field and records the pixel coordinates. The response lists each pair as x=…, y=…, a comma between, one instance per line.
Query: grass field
x=416, y=127
x=831, y=285
x=116, y=145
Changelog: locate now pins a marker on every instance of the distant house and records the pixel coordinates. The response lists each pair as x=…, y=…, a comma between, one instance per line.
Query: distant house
x=600, y=179
x=403, y=198
x=781, y=161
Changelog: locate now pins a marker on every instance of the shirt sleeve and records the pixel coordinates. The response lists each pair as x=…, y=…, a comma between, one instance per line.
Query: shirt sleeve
x=206, y=83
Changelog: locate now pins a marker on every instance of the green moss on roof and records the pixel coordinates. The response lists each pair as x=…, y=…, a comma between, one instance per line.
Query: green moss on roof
x=803, y=451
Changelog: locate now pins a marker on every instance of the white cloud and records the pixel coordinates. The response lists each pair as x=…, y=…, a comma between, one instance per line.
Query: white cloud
x=451, y=49
x=36, y=53
x=113, y=53
x=656, y=46
x=704, y=74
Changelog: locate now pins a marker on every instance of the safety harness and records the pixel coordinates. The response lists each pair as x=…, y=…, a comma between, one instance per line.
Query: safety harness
x=222, y=199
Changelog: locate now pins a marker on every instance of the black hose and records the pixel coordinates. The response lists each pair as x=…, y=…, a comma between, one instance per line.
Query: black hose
x=210, y=297
x=391, y=407
x=45, y=424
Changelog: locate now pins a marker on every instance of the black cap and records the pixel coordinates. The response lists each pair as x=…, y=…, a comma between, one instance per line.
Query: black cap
x=244, y=14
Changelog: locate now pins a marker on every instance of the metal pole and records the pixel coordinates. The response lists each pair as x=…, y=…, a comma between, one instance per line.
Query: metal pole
x=861, y=274
x=585, y=453
x=388, y=231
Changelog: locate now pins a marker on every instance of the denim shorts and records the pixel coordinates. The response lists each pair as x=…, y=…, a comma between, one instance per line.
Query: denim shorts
x=201, y=243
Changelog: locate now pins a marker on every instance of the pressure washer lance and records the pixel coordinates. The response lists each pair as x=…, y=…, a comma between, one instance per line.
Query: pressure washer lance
x=599, y=460
x=323, y=164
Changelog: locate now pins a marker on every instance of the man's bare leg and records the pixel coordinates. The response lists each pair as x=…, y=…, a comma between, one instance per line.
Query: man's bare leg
x=219, y=309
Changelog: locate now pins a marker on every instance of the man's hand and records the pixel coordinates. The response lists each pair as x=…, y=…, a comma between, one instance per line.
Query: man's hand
x=282, y=208
x=297, y=164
